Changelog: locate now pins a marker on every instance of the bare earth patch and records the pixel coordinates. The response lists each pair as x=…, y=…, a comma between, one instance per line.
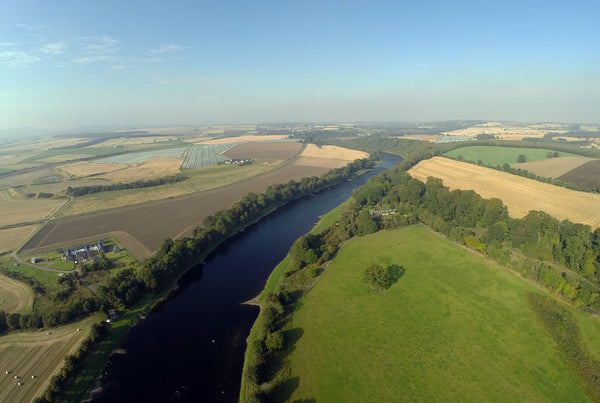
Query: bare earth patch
x=519, y=194
x=14, y=296
x=241, y=139
x=33, y=357
x=11, y=238
x=257, y=150
x=553, y=167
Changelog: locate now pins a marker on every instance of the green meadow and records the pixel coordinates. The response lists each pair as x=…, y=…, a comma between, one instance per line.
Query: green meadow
x=454, y=327
x=501, y=155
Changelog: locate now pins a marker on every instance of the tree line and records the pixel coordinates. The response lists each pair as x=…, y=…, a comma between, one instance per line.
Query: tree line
x=84, y=190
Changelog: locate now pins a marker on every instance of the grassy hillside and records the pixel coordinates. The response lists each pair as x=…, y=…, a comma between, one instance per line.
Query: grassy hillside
x=453, y=327
x=500, y=155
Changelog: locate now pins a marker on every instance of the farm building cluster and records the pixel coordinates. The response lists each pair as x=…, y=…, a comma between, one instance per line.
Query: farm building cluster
x=237, y=161
x=83, y=253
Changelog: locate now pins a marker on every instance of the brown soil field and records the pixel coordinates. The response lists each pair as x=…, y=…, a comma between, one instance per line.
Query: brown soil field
x=519, y=194
x=552, y=167
x=333, y=152
x=241, y=139
x=39, y=354
x=14, y=211
x=586, y=175
x=148, y=224
x=152, y=168
x=12, y=238
x=84, y=168
x=256, y=150
x=15, y=296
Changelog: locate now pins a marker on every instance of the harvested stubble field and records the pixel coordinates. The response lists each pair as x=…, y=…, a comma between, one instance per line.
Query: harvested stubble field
x=39, y=354
x=519, y=194
x=241, y=139
x=256, y=150
x=15, y=296
x=333, y=152
x=15, y=210
x=130, y=141
x=586, y=175
x=11, y=238
x=84, y=168
x=506, y=132
x=150, y=169
x=552, y=167
x=148, y=224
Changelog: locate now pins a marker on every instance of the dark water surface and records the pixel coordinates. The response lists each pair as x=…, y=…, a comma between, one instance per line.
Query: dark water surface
x=192, y=348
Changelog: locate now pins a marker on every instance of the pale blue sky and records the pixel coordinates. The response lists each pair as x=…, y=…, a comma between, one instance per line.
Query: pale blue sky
x=65, y=64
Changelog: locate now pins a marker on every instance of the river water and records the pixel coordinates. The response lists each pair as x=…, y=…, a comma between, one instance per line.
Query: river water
x=192, y=347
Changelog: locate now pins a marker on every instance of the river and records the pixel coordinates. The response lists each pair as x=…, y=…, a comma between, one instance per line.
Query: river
x=192, y=347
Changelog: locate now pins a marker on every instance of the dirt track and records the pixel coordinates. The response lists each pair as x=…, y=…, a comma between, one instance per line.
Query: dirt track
x=141, y=228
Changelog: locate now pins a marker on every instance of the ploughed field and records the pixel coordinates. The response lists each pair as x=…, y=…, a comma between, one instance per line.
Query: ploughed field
x=519, y=194
x=258, y=150
x=33, y=357
x=586, y=175
x=143, y=227
x=453, y=327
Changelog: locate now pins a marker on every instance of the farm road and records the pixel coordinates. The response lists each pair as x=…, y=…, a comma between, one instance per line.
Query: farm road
x=141, y=228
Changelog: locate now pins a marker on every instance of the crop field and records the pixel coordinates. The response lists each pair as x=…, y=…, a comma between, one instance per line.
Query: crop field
x=238, y=139
x=204, y=155
x=63, y=158
x=129, y=141
x=35, y=356
x=136, y=157
x=586, y=175
x=499, y=155
x=333, y=152
x=42, y=145
x=264, y=150
x=85, y=168
x=15, y=296
x=149, y=169
x=453, y=327
x=16, y=211
x=200, y=179
x=508, y=132
x=11, y=238
x=141, y=228
x=553, y=167
x=519, y=194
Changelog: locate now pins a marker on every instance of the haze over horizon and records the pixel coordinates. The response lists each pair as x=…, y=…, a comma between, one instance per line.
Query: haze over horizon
x=146, y=63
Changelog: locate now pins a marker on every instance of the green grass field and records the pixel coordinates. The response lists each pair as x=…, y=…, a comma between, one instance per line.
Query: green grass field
x=500, y=155
x=454, y=327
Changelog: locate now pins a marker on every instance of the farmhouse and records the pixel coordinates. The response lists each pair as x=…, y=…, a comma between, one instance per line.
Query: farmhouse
x=383, y=212
x=83, y=252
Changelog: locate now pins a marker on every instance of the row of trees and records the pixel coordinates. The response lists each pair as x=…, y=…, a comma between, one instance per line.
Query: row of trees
x=84, y=190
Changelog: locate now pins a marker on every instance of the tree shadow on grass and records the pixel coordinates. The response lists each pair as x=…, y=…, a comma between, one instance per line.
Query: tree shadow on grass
x=282, y=391
x=395, y=272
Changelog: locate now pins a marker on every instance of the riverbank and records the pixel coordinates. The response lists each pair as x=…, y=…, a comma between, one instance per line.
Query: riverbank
x=93, y=365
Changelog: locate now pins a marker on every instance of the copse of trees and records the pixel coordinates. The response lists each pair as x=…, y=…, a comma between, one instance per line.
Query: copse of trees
x=84, y=190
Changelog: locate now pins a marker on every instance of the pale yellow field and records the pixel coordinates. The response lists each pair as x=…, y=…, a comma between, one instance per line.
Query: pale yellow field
x=519, y=194
x=507, y=132
x=44, y=144
x=552, y=167
x=39, y=354
x=85, y=168
x=14, y=211
x=8, y=160
x=426, y=137
x=128, y=141
x=332, y=152
x=239, y=139
x=12, y=238
x=15, y=296
x=152, y=168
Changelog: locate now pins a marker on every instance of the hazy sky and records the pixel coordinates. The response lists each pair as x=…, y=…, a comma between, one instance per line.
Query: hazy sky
x=132, y=63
